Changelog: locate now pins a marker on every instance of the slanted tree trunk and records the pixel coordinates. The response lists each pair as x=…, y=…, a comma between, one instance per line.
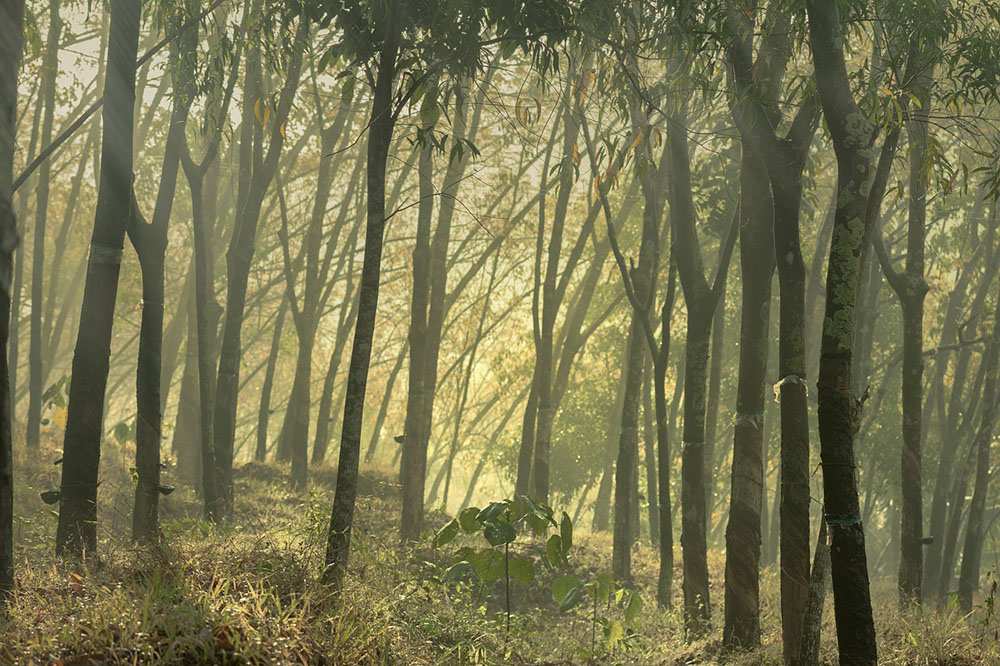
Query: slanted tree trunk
x=186, y=442
x=380, y=132
x=812, y=623
x=239, y=258
x=701, y=299
x=11, y=42
x=838, y=410
x=150, y=243
x=743, y=536
x=384, y=406
x=348, y=317
x=641, y=283
x=947, y=419
x=784, y=160
x=264, y=412
x=50, y=70
x=975, y=533
x=649, y=454
x=76, y=534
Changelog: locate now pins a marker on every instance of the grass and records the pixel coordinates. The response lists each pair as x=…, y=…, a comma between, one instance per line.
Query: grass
x=249, y=593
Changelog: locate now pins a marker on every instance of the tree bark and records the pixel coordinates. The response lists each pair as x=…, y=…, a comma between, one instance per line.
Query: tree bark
x=150, y=243
x=238, y=261
x=975, y=533
x=381, y=127
x=837, y=408
x=11, y=43
x=701, y=299
x=76, y=534
x=264, y=412
x=743, y=534
x=50, y=70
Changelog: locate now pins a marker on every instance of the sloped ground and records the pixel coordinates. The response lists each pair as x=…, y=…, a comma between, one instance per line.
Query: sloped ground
x=249, y=593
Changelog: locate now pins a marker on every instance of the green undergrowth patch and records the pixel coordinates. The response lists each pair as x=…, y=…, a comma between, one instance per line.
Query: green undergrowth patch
x=249, y=592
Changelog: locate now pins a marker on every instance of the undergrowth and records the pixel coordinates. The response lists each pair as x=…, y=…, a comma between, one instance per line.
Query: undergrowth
x=249, y=593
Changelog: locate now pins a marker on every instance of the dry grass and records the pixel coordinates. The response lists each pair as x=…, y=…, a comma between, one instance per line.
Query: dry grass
x=249, y=593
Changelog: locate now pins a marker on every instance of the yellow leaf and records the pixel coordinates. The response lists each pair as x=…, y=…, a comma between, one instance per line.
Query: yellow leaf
x=281, y=128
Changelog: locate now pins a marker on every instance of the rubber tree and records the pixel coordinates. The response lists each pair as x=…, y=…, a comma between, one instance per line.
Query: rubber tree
x=853, y=136
x=701, y=298
x=758, y=115
x=975, y=532
x=308, y=301
x=384, y=42
x=239, y=256
x=429, y=303
x=11, y=43
x=50, y=71
x=202, y=179
x=76, y=533
x=150, y=242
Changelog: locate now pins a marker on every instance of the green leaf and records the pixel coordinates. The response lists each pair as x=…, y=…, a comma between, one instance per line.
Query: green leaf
x=566, y=532
x=614, y=633
x=499, y=533
x=430, y=112
x=457, y=570
x=562, y=586
x=555, y=552
x=347, y=92
x=571, y=599
x=467, y=519
x=603, y=586
x=521, y=569
x=537, y=523
x=633, y=606
x=446, y=534
x=491, y=511
x=488, y=565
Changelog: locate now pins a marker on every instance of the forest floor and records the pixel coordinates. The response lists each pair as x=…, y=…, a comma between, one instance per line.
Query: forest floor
x=249, y=593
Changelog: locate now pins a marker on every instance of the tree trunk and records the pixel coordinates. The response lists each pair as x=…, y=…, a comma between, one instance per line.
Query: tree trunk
x=551, y=301
x=186, y=443
x=416, y=431
x=665, y=576
x=150, y=243
x=77, y=530
x=238, y=261
x=975, y=533
x=379, y=138
x=743, y=533
x=701, y=299
x=649, y=453
x=264, y=413
x=812, y=623
x=935, y=400
x=50, y=70
x=11, y=43
x=602, y=505
x=712, y=404
x=837, y=408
